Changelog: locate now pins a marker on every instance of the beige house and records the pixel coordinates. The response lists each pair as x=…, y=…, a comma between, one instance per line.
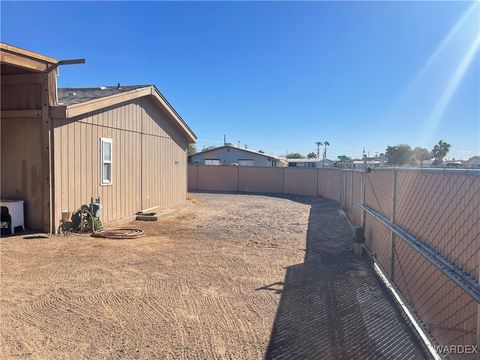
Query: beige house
x=60, y=147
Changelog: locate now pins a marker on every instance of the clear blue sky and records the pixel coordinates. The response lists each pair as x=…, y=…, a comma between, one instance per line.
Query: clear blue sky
x=279, y=76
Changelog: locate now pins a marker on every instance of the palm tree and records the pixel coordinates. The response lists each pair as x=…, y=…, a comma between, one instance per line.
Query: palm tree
x=318, y=143
x=325, y=143
x=439, y=151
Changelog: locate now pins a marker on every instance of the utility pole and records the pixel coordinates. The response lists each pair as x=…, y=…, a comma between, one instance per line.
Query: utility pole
x=318, y=143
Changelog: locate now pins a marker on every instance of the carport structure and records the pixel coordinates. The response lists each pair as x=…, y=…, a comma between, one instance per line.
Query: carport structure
x=28, y=88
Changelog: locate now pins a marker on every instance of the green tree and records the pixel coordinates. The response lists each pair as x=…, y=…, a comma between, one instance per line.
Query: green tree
x=439, y=151
x=295, y=156
x=312, y=155
x=192, y=149
x=399, y=155
x=421, y=154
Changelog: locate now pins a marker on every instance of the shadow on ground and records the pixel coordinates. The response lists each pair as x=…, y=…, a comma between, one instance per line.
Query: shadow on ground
x=332, y=306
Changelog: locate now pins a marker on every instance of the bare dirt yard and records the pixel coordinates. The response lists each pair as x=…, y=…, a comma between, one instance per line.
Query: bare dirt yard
x=230, y=277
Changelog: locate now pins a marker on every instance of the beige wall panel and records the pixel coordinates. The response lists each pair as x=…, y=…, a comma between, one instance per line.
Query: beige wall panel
x=256, y=179
x=218, y=178
x=148, y=170
x=192, y=177
x=329, y=184
x=21, y=166
x=300, y=181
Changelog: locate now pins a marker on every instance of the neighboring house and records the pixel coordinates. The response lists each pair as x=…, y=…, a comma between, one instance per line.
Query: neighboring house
x=311, y=163
x=358, y=164
x=473, y=162
x=60, y=147
x=233, y=155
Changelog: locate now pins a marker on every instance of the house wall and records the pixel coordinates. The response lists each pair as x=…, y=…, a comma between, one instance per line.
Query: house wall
x=232, y=156
x=21, y=166
x=312, y=164
x=149, y=160
x=25, y=144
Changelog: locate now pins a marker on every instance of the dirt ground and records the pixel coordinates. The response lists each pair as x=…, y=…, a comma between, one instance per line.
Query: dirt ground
x=219, y=279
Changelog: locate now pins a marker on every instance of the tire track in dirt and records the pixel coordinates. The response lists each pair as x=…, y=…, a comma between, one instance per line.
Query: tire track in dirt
x=185, y=291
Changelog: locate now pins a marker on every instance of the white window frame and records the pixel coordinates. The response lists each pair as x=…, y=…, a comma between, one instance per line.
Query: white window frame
x=102, y=162
x=215, y=162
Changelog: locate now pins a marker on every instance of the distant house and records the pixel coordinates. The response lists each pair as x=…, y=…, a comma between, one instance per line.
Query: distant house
x=473, y=162
x=232, y=155
x=311, y=163
x=358, y=164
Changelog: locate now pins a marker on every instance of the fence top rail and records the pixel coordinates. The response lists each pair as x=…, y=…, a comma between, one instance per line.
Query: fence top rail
x=430, y=170
x=475, y=172
x=266, y=167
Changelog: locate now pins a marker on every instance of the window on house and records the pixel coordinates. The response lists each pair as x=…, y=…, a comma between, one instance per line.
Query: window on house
x=212, y=162
x=106, y=156
x=245, y=162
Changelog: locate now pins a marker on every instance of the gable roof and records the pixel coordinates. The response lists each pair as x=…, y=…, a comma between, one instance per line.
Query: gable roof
x=77, y=101
x=236, y=148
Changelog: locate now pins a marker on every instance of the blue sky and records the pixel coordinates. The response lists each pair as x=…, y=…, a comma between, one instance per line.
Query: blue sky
x=279, y=76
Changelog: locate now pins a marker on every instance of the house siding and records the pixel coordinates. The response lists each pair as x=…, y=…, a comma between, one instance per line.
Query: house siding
x=25, y=147
x=149, y=160
x=22, y=170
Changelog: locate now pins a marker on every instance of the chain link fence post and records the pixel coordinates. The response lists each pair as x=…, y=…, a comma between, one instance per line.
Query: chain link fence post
x=392, y=235
x=362, y=194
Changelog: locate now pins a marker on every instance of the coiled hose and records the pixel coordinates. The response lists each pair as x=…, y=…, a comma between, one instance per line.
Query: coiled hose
x=123, y=233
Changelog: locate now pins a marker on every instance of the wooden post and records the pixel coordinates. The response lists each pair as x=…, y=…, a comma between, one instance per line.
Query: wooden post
x=392, y=235
x=48, y=81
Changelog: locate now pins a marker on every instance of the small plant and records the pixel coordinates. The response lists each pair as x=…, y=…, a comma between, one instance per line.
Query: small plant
x=192, y=199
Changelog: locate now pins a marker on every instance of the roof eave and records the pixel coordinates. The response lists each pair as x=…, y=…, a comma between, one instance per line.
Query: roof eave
x=15, y=56
x=234, y=147
x=69, y=111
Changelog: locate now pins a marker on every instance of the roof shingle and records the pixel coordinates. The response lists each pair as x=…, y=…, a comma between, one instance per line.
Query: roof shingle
x=71, y=96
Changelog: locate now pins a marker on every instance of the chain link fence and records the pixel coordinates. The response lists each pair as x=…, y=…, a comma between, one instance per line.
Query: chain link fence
x=421, y=225
x=440, y=210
